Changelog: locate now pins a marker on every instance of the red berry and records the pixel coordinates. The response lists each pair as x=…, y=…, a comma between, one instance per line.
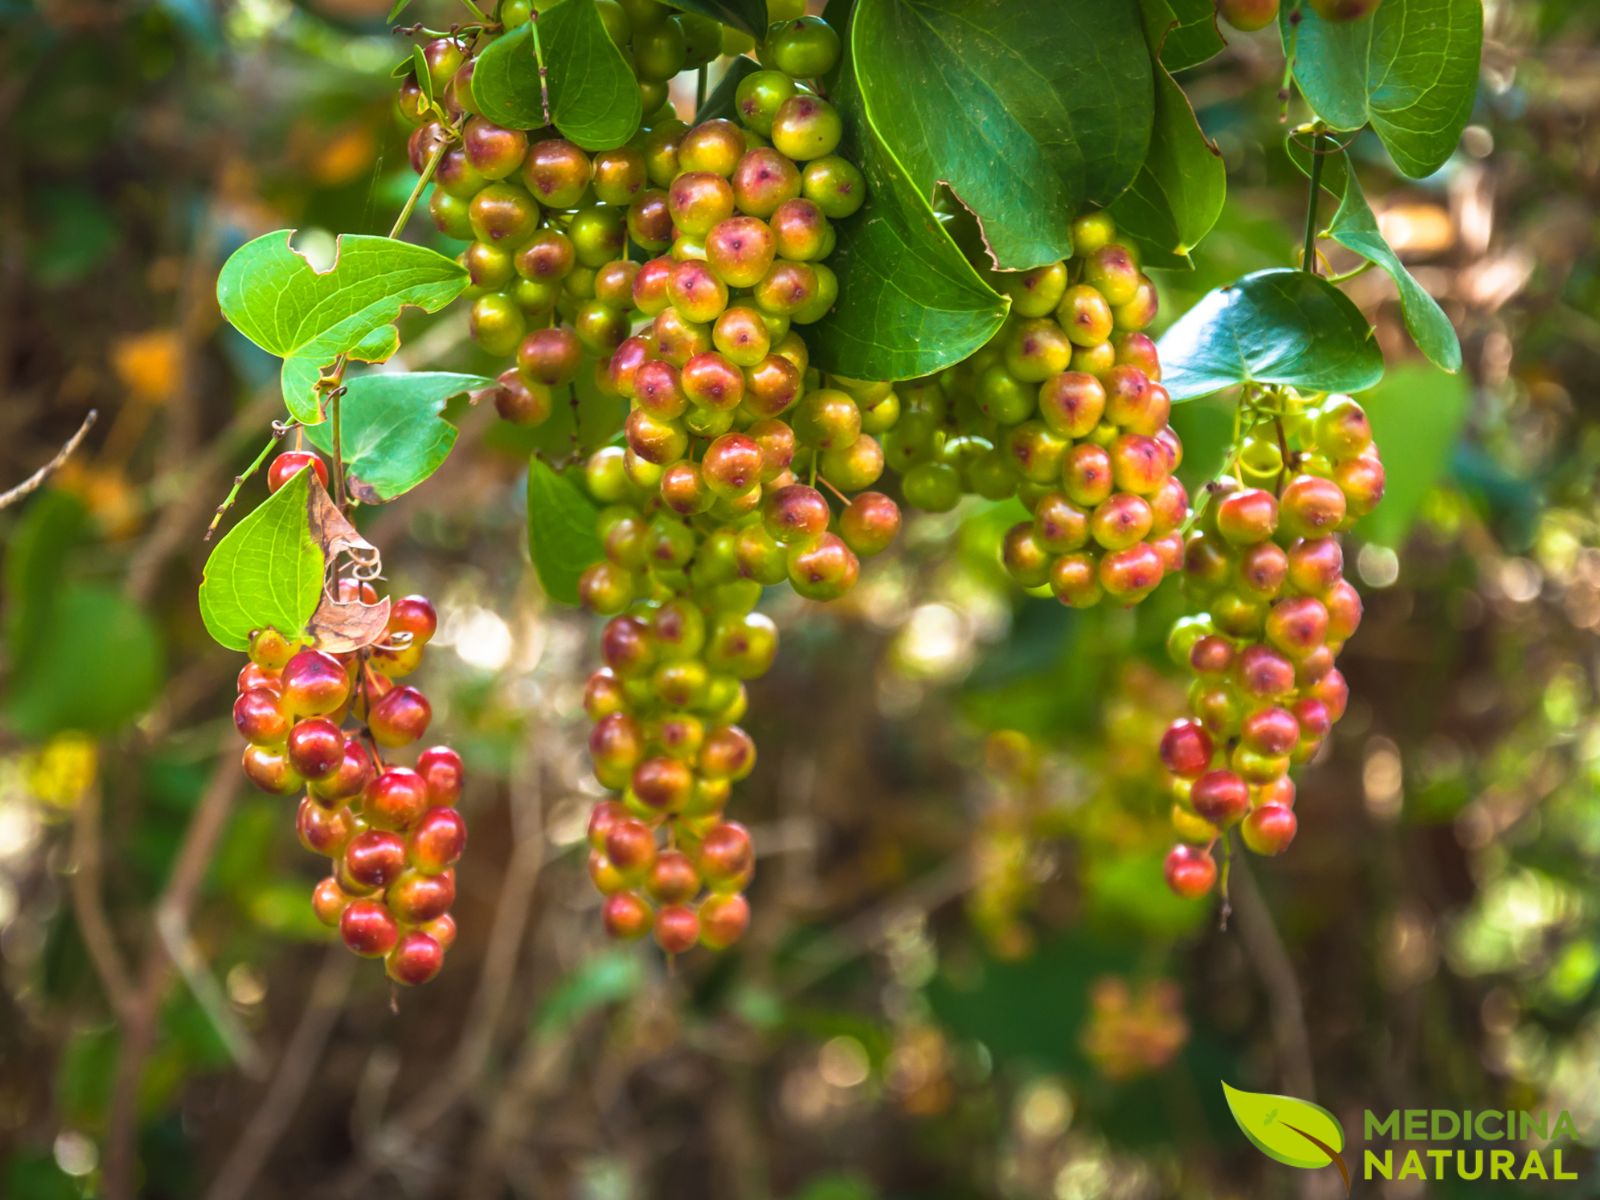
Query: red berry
x=416, y=898
x=400, y=718
x=368, y=928
x=437, y=841
x=442, y=929
x=374, y=858
x=1269, y=829
x=672, y=879
x=726, y=855
x=351, y=777
x=1271, y=731
x=630, y=845
x=1221, y=797
x=1190, y=871
x=395, y=799
x=728, y=753
x=1311, y=506
x=290, y=463
x=1186, y=749
x=415, y=959
x=314, y=684
x=329, y=900
x=324, y=831
x=1247, y=516
x=723, y=920
x=257, y=716
x=677, y=928
x=441, y=769
x=663, y=784
x=626, y=916
x=414, y=615
x=316, y=748
x=270, y=771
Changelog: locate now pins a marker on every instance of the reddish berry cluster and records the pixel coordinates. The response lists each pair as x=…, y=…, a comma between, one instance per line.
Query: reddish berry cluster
x=664, y=709
x=1064, y=409
x=393, y=833
x=1269, y=569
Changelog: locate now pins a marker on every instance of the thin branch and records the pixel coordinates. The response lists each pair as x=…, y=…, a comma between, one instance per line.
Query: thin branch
x=300, y=1059
x=35, y=481
x=144, y=1011
x=89, y=907
x=1267, y=954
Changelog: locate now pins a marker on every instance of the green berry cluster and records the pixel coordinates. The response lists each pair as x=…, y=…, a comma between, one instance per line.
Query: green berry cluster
x=1265, y=564
x=392, y=833
x=1065, y=410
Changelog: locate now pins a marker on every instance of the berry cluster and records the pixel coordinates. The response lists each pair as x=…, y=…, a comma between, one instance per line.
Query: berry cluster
x=392, y=832
x=1268, y=568
x=1064, y=409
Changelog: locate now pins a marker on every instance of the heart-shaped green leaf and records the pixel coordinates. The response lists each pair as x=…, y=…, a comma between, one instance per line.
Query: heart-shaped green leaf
x=392, y=434
x=1178, y=194
x=1191, y=36
x=748, y=15
x=594, y=95
x=1279, y=326
x=1001, y=103
x=1417, y=413
x=1285, y=1129
x=267, y=570
x=1355, y=228
x=909, y=302
x=308, y=318
x=1411, y=69
x=561, y=531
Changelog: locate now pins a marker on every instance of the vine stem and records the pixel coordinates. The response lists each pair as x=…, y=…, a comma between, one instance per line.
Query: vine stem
x=700, y=91
x=544, y=72
x=1309, y=262
x=278, y=430
x=33, y=482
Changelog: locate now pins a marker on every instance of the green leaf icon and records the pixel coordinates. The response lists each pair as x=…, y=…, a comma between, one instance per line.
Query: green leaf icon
x=1293, y=1132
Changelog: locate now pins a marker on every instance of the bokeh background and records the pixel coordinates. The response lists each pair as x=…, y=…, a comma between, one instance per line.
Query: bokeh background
x=965, y=977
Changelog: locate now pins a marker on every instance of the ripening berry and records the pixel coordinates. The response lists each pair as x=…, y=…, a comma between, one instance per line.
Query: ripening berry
x=1072, y=403
x=415, y=959
x=1132, y=573
x=550, y=356
x=796, y=515
x=763, y=181
x=314, y=683
x=324, y=831
x=662, y=784
x=269, y=770
x=726, y=856
x=349, y=780
x=1221, y=797
x=368, y=928
x=728, y=753
x=1247, y=16
x=443, y=773
x=253, y=675
x=869, y=523
x=731, y=464
x=1263, y=673
x=1190, y=871
x=723, y=920
x=772, y=386
x=258, y=717
x=1074, y=580
x=1186, y=749
x=1269, y=829
x=672, y=878
x=677, y=928
x=1086, y=475
x=1247, y=516
x=806, y=127
x=494, y=152
x=290, y=463
x=416, y=898
x=316, y=748
x=1121, y=521
x=395, y=798
x=1270, y=731
x=1311, y=507
x=329, y=900
x=375, y=857
x=437, y=842
x=1298, y=625
x=1362, y=482
x=626, y=916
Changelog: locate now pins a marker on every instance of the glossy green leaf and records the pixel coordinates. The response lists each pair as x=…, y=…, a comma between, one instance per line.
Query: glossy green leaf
x=723, y=98
x=398, y=7
x=266, y=571
x=420, y=72
x=594, y=96
x=392, y=433
x=1355, y=228
x=748, y=15
x=1417, y=414
x=1178, y=194
x=62, y=634
x=1285, y=1129
x=581, y=427
x=909, y=302
x=1191, y=36
x=1279, y=326
x=1410, y=69
x=561, y=530
x=999, y=101
x=308, y=318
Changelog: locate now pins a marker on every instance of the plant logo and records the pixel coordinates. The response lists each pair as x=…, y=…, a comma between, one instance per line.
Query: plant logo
x=1294, y=1132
